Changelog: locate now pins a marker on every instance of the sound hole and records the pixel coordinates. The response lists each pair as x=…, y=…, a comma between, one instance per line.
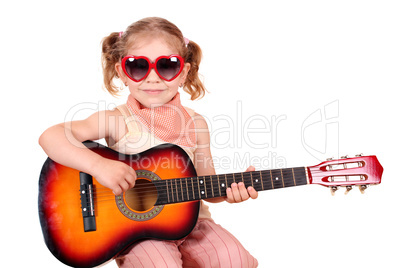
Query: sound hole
x=143, y=196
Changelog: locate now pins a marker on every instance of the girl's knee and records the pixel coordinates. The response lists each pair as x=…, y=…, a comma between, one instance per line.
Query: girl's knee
x=151, y=253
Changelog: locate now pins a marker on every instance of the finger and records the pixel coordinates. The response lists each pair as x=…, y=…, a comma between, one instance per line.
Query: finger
x=252, y=192
x=133, y=173
x=250, y=168
x=236, y=192
x=243, y=192
x=117, y=190
x=229, y=196
x=130, y=179
x=124, y=185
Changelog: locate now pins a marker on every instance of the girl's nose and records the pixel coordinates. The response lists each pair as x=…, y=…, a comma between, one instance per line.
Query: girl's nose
x=152, y=77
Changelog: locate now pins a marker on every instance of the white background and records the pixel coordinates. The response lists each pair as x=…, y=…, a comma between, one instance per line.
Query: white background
x=300, y=80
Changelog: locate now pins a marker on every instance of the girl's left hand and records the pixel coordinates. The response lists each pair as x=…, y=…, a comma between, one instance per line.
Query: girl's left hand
x=238, y=193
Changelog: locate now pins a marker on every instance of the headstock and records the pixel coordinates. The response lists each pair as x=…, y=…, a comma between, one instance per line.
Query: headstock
x=360, y=171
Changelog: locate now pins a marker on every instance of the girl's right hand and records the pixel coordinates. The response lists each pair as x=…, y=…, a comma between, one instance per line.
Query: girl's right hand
x=63, y=144
x=116, y=175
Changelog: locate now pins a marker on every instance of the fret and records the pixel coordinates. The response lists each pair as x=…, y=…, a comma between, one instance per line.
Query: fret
x=215, y=186
x=256, y=180
x=192, y=187
x=300, y=176
x=219, y=185
x=265, y=176
x=188, y=197
x=167, y=191
x=206, y=187
x=288, y=177
x=248, y=179
x=212, y=186
x=199, y=190
x=272, y=181
x=177, y=191
x=172, y=190
x=266, y=179
x=262, y=181
x=293, y=174
x=222, y=185
x=251, y=179
x=195, y=191
x=276, y=177
x=181, y=187
x=237, y=177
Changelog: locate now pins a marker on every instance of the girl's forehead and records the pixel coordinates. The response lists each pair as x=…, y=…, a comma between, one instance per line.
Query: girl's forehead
x=151, y=47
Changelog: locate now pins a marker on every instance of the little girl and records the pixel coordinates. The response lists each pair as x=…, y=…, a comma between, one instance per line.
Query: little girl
x=153, y=59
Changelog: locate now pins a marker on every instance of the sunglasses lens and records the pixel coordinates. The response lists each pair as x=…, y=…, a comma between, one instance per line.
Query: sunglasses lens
x=168, y=68
x=136, y=68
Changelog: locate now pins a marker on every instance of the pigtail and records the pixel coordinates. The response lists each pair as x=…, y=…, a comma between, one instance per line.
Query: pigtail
x=193, y=85
x=110, y=56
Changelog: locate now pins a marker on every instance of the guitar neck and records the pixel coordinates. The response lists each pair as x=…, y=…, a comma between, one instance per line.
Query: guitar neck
x=204, y=187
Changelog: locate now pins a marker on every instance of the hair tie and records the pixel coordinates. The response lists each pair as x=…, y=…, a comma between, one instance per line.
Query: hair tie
x=120, y=34
x=186, y=41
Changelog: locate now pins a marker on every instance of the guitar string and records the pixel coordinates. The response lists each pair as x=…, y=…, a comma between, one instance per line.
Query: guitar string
x=152, y=187
x=183, y=194
x=177, y=195
x=102, y=189
x=246, y=175
x=253, y=173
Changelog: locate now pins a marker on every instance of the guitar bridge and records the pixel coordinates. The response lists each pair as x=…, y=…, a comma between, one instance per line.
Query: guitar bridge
x=87, y=202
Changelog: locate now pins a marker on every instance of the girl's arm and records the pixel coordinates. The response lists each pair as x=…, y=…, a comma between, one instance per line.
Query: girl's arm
x=204, y=166
x=63, y=144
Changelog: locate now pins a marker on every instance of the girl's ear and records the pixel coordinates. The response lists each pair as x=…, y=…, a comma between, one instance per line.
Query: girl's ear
x=186, y=69
x=120, y=72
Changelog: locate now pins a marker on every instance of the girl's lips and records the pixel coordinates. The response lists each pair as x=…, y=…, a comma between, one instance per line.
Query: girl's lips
x=153, y=91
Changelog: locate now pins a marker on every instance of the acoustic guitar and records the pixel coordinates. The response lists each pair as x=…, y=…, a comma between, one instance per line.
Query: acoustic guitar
x=85, y=225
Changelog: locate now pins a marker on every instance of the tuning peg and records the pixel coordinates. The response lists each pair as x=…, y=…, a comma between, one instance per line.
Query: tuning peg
x=333, y=190
x=329, y=159
x=345, y=156
x=362, y=188
x=348, y=189
x=359, y=155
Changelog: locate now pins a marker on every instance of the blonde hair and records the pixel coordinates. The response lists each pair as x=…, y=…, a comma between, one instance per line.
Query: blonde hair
x=115, y=47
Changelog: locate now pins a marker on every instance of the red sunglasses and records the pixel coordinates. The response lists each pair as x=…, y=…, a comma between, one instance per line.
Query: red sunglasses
x=167, y=67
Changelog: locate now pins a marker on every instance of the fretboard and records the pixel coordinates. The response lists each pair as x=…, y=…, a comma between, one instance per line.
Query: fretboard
x=204, y=187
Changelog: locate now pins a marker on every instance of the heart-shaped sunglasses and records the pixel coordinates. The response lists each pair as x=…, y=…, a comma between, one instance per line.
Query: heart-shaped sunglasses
x=138, y=67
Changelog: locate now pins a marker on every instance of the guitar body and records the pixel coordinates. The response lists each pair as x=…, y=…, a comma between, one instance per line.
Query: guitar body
x=119, y=222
